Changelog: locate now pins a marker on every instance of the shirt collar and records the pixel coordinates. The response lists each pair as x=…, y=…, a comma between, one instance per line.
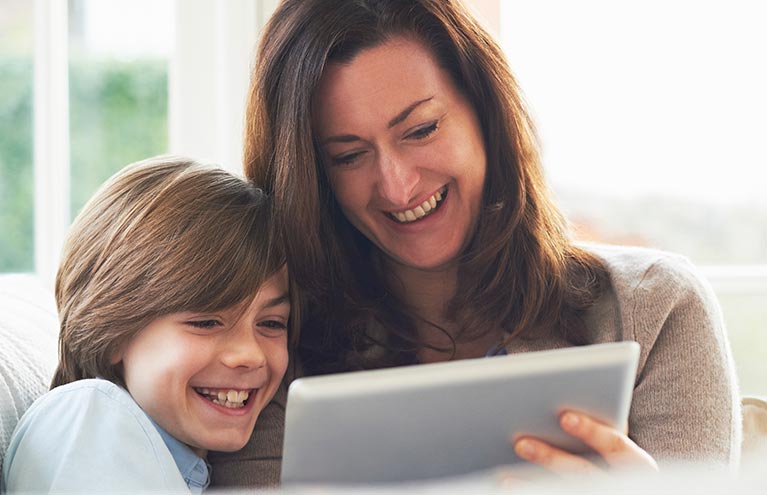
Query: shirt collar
x=194, y=469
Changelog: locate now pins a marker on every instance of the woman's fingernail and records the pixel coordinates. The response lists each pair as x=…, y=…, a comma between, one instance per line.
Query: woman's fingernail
x=525, y=448
x=570, y=421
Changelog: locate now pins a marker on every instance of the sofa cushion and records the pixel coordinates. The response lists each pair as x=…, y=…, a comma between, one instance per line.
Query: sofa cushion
x=28, y=354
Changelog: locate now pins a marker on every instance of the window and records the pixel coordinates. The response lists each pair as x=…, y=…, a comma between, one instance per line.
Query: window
x=118, y=88
x=16, y=131
x=652, y=118
x=89, y=86
x=652, y=121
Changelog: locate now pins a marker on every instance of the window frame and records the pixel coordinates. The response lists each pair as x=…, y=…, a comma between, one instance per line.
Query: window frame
x=199, y=100
x=51, y=134
x=746, y=279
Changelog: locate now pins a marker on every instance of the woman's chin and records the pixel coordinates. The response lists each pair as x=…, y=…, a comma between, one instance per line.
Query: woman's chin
x=427, y=262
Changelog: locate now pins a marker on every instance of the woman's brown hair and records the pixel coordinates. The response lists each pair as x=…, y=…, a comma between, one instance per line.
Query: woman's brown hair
x=521, y=272
x=161, y=236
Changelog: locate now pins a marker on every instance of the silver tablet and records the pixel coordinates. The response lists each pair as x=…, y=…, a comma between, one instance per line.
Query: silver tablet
x=448, y=419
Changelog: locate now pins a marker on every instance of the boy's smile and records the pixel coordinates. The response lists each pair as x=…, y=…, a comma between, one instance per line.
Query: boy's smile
x=229, y=398
x=204, y=378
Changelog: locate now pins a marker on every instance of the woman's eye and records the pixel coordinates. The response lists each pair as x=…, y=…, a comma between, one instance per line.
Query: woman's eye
x=424, y=132
x=204, y=324
x=347, y=159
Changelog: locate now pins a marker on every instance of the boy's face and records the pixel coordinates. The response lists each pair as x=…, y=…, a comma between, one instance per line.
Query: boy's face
x=205, y=377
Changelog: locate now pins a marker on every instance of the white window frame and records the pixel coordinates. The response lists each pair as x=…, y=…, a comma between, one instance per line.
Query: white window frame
x=209, y=76
x=208, y=79
x=737, y=279
x=740, y=279
x=51, y=134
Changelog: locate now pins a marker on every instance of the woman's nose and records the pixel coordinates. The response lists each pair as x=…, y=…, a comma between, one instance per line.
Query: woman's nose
x=241, y=349
x=397, y=179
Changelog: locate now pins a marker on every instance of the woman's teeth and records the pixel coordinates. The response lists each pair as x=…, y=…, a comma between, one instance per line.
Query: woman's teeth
x=232, y=399
x=423, y=210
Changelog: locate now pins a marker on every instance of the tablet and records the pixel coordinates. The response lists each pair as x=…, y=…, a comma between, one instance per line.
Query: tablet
x=448, y=419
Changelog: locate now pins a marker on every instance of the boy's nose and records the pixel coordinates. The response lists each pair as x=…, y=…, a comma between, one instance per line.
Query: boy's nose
x=242, y=350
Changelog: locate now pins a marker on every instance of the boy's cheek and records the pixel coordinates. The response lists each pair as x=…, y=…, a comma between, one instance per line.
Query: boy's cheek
x=284, y=358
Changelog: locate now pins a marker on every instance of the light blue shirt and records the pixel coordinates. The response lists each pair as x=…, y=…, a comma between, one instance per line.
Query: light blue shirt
x=194, y=470
x=91, y=436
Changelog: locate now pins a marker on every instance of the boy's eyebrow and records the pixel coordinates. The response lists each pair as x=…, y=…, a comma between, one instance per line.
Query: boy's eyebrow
x=349, y=138
x=277, y=301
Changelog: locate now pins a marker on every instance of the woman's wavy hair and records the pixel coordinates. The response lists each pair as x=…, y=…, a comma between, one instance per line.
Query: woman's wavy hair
x=161, y=236
x=520, y=272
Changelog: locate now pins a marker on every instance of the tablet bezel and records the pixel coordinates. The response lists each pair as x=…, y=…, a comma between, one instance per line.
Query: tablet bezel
x=321, y=410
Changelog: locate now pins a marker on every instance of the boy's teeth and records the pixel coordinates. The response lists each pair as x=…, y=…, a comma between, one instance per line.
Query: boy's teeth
x=421, y=210
x=229, y=398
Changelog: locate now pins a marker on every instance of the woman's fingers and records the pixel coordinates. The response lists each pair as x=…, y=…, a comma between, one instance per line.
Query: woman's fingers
x=615, y=447
x=552, y=458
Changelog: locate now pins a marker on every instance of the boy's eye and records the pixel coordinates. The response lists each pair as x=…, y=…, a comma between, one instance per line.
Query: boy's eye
x=204, y=324
x=273, y=327
x=424, y=132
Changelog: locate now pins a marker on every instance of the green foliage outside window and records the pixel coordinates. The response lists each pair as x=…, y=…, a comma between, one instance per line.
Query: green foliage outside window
x=16, y=166
x=118, y=114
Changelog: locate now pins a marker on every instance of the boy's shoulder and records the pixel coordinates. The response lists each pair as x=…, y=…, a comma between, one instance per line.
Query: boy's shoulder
x=87, y=394
x=83, y=404
x=86, y=434
x=90, y=387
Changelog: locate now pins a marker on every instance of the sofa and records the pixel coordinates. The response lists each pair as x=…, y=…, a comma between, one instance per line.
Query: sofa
x=28, y=356
x=28, y=348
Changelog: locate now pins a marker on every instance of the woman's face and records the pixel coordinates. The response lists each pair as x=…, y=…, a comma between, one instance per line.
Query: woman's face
x=404, y=152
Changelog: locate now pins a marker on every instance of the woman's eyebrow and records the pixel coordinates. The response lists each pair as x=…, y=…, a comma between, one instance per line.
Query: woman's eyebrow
x=344, y=138
x=403, y=114
x=350, y=138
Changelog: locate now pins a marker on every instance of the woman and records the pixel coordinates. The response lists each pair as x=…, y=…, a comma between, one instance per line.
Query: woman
x=406, y=172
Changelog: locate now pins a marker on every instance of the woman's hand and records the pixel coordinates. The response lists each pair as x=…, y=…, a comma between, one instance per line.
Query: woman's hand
x=615, y=447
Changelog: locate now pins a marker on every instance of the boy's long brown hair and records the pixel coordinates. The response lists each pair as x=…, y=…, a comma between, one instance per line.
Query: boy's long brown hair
x=161, y=236
x=520, y=272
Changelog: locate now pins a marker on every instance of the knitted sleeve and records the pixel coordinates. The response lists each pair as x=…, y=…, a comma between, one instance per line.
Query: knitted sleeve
x=686, y=405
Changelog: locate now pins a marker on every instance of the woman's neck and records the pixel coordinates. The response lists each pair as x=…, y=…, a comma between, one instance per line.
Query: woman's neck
x=428, y=293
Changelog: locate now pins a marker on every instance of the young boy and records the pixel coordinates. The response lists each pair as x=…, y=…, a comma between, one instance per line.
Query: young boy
x=174, y=307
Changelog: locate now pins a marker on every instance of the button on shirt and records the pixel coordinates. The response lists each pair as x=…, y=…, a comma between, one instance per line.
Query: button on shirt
x=91, y=436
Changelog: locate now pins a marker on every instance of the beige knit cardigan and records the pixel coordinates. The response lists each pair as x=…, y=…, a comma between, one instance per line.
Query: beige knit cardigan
x=685, y=405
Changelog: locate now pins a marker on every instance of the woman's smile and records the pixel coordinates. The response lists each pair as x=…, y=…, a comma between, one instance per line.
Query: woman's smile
x=422, y=210
x=404, y=152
